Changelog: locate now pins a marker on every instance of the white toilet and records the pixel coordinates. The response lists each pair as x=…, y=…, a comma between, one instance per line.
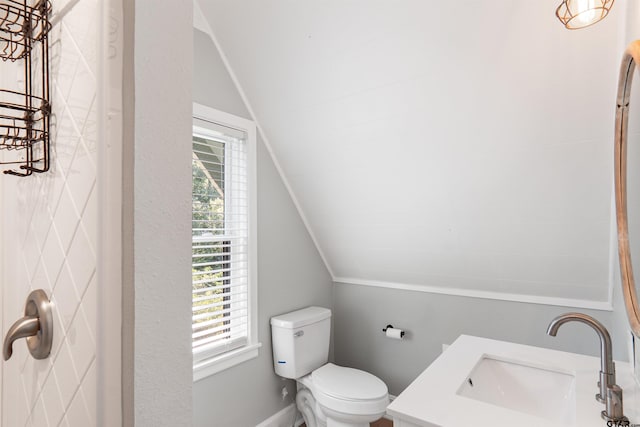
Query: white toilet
x=328, y=395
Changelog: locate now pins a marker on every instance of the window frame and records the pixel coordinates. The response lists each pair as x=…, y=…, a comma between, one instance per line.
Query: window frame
x=206, y=365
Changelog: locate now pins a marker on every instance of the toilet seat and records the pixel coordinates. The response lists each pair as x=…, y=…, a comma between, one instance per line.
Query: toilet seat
x=348, y=383
x=348, y=390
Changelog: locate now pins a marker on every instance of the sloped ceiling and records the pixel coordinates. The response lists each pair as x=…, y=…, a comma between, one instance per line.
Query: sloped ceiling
x=464, y=146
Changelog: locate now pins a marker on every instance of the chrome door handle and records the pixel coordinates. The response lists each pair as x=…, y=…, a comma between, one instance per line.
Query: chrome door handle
x=36, y=326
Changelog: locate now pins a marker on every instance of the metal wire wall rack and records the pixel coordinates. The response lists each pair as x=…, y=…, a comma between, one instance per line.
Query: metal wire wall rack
x=25, y=113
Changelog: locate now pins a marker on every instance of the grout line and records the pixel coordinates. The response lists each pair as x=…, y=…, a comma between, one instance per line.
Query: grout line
x=62, y=12
x=78, y=389
x=37, y=186
x=55, y=236
x=80, y=53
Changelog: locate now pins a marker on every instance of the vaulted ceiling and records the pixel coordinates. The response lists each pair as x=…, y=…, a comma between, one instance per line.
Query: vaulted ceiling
x=464, y=146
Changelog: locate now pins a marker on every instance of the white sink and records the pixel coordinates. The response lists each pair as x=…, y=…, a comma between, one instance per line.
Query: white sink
x=532, y=390
x=513, y=385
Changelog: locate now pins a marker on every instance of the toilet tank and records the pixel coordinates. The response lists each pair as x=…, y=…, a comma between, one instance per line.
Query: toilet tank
x=300, y=341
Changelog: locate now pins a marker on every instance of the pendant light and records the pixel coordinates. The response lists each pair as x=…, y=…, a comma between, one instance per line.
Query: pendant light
x=576, y=14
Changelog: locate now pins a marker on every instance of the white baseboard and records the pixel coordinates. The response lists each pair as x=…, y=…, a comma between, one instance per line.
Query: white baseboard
x=284, y=418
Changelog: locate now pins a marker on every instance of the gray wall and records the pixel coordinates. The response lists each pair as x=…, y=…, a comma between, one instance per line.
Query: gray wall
x=291, y=274
x=360, y=313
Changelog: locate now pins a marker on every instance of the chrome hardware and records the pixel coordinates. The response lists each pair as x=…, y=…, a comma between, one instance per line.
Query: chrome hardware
x=614, y=409
x=610, y=393
x=36, y=326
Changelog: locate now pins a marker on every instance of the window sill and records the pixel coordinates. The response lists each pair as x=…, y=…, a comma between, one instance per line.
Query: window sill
x=224, y=361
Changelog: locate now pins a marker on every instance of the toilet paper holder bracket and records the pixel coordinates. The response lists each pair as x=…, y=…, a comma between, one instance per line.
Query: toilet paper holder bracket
x=391, y=326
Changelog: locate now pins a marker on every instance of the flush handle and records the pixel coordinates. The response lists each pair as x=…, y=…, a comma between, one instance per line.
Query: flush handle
x=36, y=326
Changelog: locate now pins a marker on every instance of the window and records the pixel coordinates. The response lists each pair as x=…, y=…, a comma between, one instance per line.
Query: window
x=224, y=327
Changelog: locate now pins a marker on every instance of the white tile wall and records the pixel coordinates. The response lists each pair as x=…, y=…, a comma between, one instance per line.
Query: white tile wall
x=51, y=241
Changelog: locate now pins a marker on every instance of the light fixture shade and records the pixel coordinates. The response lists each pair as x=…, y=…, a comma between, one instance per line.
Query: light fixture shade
x=575, y=14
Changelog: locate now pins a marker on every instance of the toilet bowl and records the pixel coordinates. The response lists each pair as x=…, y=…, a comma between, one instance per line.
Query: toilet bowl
x=328, y=395
x=345, y=396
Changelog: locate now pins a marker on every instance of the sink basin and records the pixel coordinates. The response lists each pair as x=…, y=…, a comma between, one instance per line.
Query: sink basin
x=528, y=389
x=513, y=385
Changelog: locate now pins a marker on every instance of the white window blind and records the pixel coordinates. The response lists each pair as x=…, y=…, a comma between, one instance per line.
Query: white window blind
x=220, y=225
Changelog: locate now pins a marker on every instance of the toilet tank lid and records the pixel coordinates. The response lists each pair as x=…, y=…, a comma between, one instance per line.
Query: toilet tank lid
x=299, y=318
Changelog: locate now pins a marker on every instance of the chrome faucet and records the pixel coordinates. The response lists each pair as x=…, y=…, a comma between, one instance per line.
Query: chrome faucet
x=610, y=393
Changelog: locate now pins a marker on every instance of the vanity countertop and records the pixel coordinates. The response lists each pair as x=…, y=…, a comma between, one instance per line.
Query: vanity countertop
x=432, y=399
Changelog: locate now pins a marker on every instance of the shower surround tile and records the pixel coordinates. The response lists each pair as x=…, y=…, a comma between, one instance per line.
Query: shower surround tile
x=54, y=221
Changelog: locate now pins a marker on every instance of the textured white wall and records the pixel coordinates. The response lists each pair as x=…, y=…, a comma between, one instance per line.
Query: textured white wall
x=432, y=320
x=162, y=212
x=458, y=147
x=49, y=239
